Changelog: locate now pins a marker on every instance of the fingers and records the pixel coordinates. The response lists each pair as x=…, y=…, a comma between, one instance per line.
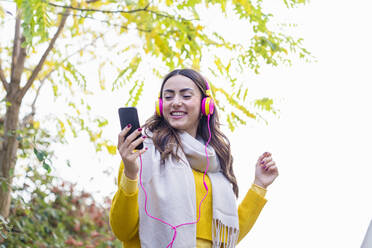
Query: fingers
x=123, y=133
x=265, y=161
x=264, y=155
x=127, y=145
x=131, y=137
x=264, y=158
x=135, y=143
x=140, y=152
x=269, y=166
x=126, y=141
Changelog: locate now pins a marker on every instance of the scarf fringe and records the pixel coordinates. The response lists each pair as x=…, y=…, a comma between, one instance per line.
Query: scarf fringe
x=223, y=236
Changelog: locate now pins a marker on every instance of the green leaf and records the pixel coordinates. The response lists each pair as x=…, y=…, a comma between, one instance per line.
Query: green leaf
x=47, y=167
x=264, y=103
x=39, y=155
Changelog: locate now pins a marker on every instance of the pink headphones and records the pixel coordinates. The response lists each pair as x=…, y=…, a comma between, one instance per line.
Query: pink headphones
x=207, y=104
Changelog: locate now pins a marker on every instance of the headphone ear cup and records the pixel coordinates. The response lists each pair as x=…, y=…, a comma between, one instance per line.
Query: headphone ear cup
x=159, y=107
x=207, y=106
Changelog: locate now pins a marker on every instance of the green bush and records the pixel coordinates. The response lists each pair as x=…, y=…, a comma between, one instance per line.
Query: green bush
x=49, y=212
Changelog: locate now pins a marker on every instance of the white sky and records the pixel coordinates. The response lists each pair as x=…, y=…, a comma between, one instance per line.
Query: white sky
x=321, y=142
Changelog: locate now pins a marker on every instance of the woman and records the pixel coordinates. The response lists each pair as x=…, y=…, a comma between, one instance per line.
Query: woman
x=190, y=197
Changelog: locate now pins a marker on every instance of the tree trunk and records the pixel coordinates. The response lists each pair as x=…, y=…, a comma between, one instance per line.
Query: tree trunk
x=15, y=94
x=8, y=153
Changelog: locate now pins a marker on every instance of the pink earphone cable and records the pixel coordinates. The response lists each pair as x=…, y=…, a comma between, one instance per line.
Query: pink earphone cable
x=205, y=185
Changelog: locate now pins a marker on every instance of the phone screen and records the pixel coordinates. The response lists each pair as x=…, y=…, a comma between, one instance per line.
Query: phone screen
x=129, y=115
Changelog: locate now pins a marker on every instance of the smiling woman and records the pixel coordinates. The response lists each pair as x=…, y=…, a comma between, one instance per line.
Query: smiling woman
x=181, y=105
x=186, y=165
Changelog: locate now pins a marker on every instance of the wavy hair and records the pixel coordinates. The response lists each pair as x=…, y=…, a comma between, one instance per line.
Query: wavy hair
x=165, y=136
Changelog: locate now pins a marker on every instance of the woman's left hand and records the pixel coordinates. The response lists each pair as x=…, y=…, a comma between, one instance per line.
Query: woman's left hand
x=266, y=170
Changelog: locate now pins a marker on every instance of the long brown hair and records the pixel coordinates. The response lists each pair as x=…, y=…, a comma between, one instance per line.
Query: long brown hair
x=165, y=136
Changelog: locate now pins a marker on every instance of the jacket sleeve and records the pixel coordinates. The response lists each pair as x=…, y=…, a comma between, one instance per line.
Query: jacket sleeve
x=249, y=210
x=124, y=217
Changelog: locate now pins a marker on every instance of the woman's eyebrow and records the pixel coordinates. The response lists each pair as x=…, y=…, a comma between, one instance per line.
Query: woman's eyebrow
x=182, y=90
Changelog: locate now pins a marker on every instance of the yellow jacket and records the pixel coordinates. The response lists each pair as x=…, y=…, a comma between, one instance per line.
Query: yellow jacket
x=124, y=215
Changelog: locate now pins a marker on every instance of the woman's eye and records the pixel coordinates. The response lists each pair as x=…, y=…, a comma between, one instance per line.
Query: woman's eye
x=187, y=96
x=167, y=97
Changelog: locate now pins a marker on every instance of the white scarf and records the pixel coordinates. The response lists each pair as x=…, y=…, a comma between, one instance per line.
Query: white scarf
x=170, y=188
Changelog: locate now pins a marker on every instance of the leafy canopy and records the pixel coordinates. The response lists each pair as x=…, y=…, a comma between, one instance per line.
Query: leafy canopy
x=120, y=40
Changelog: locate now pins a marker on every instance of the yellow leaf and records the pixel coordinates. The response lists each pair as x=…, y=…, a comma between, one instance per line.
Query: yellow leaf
x=62, y=126
x=36, y=124
x=199, y=28
x=101, y=80
x=196, y=63
x=2, y=15
x=111, y=149
x=219, y=65
x=95, y=136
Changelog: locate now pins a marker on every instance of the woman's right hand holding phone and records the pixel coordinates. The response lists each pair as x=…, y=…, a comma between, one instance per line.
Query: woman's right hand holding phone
x=129, y=155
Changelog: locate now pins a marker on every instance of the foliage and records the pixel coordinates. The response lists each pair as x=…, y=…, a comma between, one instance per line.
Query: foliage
x=152, y=37
x=48, y=212
x=32, y=139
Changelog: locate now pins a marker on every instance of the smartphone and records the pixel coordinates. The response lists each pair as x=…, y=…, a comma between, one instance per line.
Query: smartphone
x=127, y=116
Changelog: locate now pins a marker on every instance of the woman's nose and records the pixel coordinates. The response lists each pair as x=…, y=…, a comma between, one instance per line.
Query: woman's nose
x=177, y=101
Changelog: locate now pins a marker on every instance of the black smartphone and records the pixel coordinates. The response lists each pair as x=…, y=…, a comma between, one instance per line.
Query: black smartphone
x=127, y=116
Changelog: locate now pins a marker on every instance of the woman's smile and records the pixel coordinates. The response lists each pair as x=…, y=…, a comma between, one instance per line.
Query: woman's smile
x=178, y=114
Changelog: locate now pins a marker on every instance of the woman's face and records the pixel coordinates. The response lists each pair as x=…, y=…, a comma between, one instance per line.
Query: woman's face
x=181, y=103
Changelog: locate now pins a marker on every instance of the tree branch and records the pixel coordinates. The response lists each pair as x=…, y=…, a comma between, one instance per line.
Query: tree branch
x=43, y=58
x=20, y=63
x=38, y=91
x=31, y=115
x=29, y=118
x=145, y=9
x=100, y=10
x=16, y=43
x=169, y=16
x=2, y=78
x=81, y=49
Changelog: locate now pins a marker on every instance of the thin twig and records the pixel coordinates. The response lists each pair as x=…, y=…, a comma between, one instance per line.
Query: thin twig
x=33, y=111
x=81, y=49
x=113, y=24
x=99, y=10
x=145, y=9
x=172, y=17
